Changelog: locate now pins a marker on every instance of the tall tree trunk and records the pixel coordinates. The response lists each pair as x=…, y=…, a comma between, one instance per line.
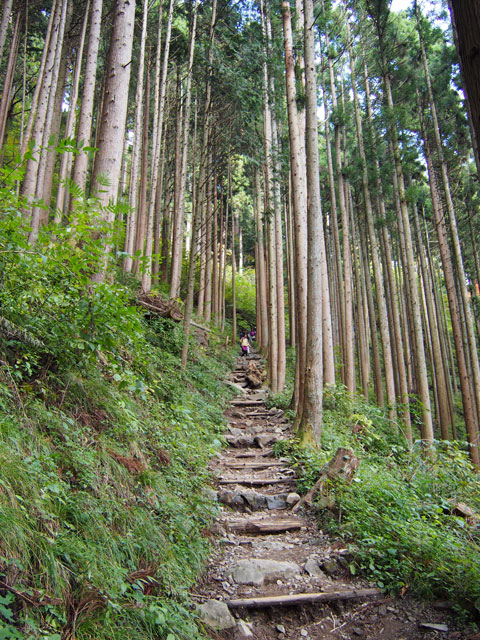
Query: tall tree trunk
x=298, y=178
x=448, y=271
x=179, y=219
x=80, y=167
x=134, y=235
x=6, y=13
x=111, y=129
x=9, y=76
x=32, y=183
x=453, y=223
x=67, y=157
x=262, y=324
x=377, y=271
x=466, y=26
x=398, y=343
x=311, y=422
x=144, y=239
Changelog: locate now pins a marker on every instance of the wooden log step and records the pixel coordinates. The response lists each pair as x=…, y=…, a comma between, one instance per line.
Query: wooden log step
x=254, y=454
x=302, y=598
x=255, y=482
x=261, y=414
x=267, y=525
x=265, y=464
x=246, y=403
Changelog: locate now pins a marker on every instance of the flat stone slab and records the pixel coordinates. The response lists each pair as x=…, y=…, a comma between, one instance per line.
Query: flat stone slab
x=257, y=571
x=216, y=615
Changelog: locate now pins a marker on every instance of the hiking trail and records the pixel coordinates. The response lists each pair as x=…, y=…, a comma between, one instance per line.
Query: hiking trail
x=274, y=574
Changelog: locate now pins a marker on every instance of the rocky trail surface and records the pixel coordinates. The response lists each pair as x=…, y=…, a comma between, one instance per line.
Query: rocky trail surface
x=274, y=575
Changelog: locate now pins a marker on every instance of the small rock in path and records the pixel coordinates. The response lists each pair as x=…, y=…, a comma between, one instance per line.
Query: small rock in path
x=434, y=627
x=330, y=567
x=216, y=615
x=244, y=630
x=313, y=568
x=292, y=498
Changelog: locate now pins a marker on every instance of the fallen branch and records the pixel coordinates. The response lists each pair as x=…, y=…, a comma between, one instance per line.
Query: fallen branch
x=344, y=463
x=33, y=597
x=199, y=326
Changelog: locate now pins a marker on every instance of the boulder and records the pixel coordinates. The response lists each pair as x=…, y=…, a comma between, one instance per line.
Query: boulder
x=230, y=498
x=256, y=501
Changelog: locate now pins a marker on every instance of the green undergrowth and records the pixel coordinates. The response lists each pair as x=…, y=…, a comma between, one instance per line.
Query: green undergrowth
x=104, y=442
x=397, y=516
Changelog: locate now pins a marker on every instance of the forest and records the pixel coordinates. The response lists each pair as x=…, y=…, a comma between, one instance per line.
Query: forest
x=174, y=173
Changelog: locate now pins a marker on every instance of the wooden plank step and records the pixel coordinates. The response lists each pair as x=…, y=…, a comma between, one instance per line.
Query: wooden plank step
x=302, y=598
x=254, y=454
x=265, y=464
x=255, y=482
x=267, y=525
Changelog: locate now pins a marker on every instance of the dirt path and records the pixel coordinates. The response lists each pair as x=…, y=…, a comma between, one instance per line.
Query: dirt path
x=275, y=575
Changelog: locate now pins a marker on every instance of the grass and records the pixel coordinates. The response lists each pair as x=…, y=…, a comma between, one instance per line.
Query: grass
x=397, y=516
x=103, y=506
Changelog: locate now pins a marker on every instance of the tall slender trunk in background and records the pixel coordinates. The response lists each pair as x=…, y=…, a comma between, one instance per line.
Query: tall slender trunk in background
x=215, y=247
x=9, y=77
x=179, y=218
x=40, y=93
x=33, y=180
x=290, y=272
x=419, y=351
x=52, y=123
x=66, y=158
x=398, y=343
x=298, y=170
x=144, y=224
x=158, y=147
x=454, y=306
x=48, y=169
x=84, y=133
x=262, y=324
x=234, y=293
x=444, y=415
x=278, y=244
x=6, y=13
x=133, y=243
x=377, y=270
x=111, y=128
x=208, y=246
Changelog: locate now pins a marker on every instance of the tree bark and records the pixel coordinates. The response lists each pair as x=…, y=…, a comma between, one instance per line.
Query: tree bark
x=111, y=129
x=80, y=167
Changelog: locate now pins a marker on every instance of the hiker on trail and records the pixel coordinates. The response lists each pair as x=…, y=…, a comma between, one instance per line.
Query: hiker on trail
x=244, y=345
x=253, y=334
